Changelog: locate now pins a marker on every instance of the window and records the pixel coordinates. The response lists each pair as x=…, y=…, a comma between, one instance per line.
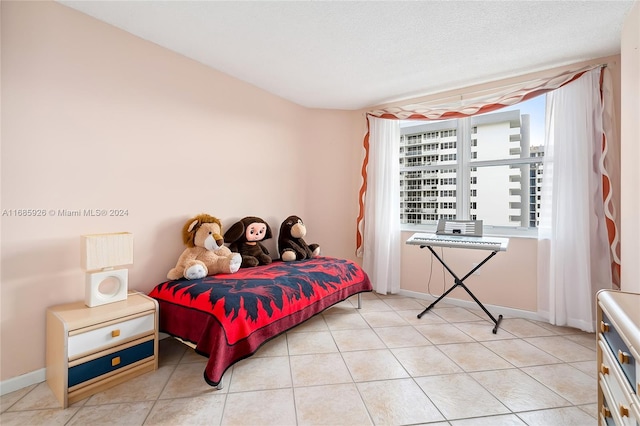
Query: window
x=487, y=167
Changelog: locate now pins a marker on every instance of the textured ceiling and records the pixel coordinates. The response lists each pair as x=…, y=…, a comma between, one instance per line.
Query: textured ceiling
x=352, y=54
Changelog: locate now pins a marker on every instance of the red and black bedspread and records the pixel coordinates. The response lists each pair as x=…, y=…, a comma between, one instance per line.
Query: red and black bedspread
x=229, y=316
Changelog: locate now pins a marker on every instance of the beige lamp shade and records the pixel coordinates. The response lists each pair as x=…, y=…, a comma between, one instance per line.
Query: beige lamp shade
x=101, y=251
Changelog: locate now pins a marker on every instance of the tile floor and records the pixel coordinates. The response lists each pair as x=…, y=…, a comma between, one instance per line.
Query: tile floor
x=379, y=365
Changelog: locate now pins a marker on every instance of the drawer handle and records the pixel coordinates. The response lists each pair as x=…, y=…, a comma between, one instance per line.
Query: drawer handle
x=604, y=327
x=115, y=333
x=115, y=361
x=623, y=357
x=624, y=411
x=604, y=369
x=605, y=411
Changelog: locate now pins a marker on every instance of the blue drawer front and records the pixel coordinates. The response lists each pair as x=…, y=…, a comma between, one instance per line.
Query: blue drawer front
x=616, y=343
x=97, y=367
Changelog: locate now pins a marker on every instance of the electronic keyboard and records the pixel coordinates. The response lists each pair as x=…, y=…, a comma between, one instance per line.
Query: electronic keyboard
x=478, y=243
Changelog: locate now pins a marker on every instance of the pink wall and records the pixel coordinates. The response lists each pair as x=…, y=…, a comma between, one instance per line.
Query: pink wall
x=94, y=118
x=630, y=151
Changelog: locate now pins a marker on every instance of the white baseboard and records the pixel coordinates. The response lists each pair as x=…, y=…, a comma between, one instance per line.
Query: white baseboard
x=16, y=383
x=494, y=309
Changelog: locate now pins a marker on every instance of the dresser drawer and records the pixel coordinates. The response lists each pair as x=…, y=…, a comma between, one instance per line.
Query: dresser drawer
x=616, y=388
x=111, y=362
x=615, y=413
x=109, y=335
x=620, y=349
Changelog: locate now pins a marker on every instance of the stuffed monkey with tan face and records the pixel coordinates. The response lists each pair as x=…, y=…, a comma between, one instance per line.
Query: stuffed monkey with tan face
x=245, y=237
x=205, y=253
x=291, y=243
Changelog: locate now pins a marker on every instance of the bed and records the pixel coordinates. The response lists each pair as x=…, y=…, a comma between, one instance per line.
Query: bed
x=228, y=317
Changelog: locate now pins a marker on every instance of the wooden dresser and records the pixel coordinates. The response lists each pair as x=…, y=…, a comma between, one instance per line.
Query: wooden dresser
x=618, y=358
x=92, y=349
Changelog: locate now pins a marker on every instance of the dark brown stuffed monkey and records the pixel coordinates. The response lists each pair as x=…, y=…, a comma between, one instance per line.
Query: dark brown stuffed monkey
x=244, y=238
x=291, y=245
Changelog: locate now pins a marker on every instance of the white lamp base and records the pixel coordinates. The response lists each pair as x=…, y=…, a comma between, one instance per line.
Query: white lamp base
x=106, y=287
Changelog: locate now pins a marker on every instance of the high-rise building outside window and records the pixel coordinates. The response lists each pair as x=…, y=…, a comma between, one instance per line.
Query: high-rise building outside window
x=486, y=167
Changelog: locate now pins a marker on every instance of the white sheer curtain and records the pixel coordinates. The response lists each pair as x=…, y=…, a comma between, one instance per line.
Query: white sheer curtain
x=573, y=253
x=381, y=251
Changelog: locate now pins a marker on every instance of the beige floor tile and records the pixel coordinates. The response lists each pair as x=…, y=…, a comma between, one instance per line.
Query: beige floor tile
x=304, y=377
x=146, y=387
x=55, y=416
x=562, y=348
x=449, y=390
x=556, y=329
x=474, y=357
x=170, y=351
x=344, y=307
x=373, y=365
x=404, y=304
x=588, y=367
x=261, y=373
x=520, y=353
x=39, y=398
x=264, y=408
x=588, y=340
x=400, y=337
x=187, y=380
x=411, y=317
x=357, y=340
x=275, y=347
x=503, y=420
x=319, y=369
x=314, y=342
x=568, y=382
x=383, y=319
x=339, y=405
x=482, y=331
x=191, y=356
x=456, y=314
x=398, y=402
x=518, y=391
x=425, y=361
x=349, y=321
x=11, y=398
x=202, y=410
x=443, y=333
x=113, y=414
x=568, y=416
x=591, y=409
x=369, y=305
x=521, y=327
x=316, y=323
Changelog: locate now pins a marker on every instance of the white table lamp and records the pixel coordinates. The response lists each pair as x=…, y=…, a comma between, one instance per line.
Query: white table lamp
x=101, y=254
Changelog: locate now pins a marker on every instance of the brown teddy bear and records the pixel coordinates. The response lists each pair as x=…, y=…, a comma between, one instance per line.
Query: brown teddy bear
x=245, y=237
x=290, y=243
x=205, y=253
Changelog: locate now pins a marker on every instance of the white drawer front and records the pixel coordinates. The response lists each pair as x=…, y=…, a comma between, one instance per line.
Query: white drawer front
x=109, y=335
x=618, y=387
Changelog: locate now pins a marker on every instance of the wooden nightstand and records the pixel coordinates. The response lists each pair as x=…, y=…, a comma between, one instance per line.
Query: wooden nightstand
x=92, y=349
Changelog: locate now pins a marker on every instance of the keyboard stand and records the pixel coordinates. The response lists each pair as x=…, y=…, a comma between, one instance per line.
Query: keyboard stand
x=459, y=282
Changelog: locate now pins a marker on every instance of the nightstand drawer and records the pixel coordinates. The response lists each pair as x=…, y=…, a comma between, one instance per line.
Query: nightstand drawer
x=110, y=362
x=110, y=335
